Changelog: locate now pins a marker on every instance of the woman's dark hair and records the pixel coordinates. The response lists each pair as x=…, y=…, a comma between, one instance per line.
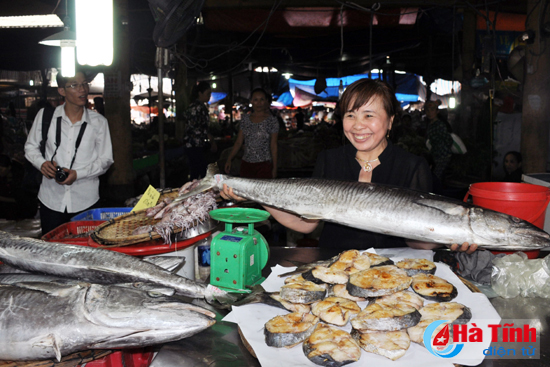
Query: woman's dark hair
x=261, y=90
x=200, y=87
x=362, y=91
x=517, y=155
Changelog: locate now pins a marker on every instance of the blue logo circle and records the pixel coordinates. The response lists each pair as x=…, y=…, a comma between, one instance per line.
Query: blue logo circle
x=449, y=352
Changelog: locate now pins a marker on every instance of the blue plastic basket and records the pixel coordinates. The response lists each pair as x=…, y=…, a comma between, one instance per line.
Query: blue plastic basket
x=101, y=214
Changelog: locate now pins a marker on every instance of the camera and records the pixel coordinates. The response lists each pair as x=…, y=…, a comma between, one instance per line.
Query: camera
x=60, y=175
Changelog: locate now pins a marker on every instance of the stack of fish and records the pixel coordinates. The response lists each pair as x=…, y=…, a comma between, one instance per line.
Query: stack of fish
x=92, y=299
x=324, y=298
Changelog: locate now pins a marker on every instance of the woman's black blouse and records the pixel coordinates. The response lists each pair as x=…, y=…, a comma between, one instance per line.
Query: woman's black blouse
x=397, y=168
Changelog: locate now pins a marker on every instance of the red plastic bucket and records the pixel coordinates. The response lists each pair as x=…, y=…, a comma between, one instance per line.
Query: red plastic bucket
x=522, y=200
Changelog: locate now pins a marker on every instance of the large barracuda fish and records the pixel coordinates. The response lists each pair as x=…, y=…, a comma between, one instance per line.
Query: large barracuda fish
x=386, y=209
x=96, y=266
x=46, y=320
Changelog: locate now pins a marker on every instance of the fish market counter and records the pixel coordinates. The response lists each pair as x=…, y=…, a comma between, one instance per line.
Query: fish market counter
x=221, y=345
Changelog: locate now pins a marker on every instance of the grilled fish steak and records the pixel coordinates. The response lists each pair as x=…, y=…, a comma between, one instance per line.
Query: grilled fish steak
x=352, y=261
x=289, y=330
x=390, y=344
x=417, y=266
x=321, y=274
x=403, y=297
x=335, y=310
x=96, y=265
x=384, y=317
x=378, y=281
x=48, y=320
x=378, y=260
x=433, y=288
x=386, y=209
x=304, y=292
x=330, y=346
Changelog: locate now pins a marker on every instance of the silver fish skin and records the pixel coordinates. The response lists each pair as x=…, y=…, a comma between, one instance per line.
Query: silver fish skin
x=388, y=210
x=18, y=279
x=96, y=266
x=47, y=320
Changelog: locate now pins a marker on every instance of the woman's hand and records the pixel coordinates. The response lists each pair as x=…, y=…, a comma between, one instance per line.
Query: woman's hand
x=465, y=247
x=227, y=194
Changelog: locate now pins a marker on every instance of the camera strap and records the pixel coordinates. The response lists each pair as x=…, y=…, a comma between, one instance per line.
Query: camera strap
x=58, y=139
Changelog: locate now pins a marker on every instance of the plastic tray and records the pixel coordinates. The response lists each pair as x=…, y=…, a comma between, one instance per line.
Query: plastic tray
x=61, y=233
x=124, y=358
x=155, y=247
x=101, y=214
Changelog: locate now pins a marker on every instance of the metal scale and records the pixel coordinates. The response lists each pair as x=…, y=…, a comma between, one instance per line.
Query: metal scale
x=238, y=254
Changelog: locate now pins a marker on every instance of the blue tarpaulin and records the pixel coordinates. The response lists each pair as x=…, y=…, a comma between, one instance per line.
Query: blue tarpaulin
x=407, y=87
x=216, y=96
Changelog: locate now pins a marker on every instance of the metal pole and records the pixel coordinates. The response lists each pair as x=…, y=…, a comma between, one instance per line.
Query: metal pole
x=161, y=129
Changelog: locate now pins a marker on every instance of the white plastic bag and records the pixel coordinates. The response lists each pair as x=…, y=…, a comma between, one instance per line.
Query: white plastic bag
x=516, y=275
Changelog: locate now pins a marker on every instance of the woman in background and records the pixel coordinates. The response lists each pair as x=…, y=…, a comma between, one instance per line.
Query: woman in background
x=440, y=139
x=196, y=133
x=258, y=132
x=512, y=167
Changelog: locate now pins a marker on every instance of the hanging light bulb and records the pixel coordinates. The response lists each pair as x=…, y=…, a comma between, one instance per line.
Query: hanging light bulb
x=94, y=44
x=452, y=99
x=66, y=40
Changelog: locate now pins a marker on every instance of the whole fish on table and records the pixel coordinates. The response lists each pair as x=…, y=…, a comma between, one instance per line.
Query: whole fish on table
x=97, y=265
x=45, y=320
x=386, y=209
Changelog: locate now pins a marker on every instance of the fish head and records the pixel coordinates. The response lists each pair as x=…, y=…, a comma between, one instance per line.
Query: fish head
x=135, y=318
x=500, y=231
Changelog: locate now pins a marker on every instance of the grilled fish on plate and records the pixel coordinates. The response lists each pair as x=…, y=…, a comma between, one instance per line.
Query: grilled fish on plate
x=383, y=317
x=378, y=260
x=289, y=330
x=378, y=281
x=390, y=344
x=416, y=266
x=331, y=347
x=335, y=310
x=406, y=297
x=455, y=312
x=322, y=274
x=352, y=261
x=433, y=288
x=303, y=292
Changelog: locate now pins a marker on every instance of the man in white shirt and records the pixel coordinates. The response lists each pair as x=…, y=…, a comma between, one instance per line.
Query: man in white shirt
x=79, y=142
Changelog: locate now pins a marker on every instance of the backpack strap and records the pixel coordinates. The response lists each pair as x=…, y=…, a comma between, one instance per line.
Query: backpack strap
x=46, y=122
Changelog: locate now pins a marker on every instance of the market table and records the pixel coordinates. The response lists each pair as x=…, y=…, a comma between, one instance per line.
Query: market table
x=221, y=345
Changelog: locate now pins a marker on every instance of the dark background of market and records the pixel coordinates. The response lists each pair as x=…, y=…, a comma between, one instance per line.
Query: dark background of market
x=453, y=40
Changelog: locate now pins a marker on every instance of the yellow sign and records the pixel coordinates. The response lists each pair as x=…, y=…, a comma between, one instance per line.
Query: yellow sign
x=148, y=200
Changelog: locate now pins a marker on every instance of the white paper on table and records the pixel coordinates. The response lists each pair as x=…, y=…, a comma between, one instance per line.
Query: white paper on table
x=251, y=319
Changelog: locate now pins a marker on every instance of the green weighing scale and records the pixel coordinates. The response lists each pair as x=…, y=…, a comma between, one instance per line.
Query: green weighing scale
x=238, y=254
